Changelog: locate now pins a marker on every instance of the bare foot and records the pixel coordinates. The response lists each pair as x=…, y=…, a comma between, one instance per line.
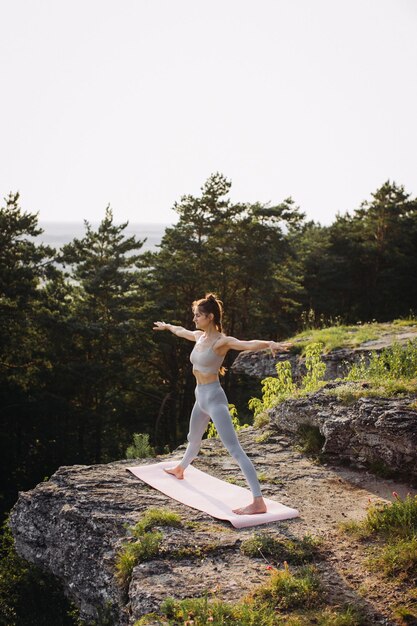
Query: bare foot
x=258, y=506
x=178, y=472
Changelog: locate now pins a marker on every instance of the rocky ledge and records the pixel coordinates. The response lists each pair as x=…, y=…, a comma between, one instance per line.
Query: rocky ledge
x=74, y=524
x=375, y=432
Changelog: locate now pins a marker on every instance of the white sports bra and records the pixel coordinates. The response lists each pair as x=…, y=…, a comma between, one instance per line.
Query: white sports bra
x=205, y=360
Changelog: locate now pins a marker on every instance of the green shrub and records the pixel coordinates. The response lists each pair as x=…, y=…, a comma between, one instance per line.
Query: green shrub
x=280, y=388
x=140, y=448
x=393, y=363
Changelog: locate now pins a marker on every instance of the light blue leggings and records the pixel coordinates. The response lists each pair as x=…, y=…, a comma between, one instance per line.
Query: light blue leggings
x=211, y=402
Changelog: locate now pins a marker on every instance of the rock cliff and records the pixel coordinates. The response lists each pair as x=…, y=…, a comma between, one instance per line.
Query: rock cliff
x=74, y=524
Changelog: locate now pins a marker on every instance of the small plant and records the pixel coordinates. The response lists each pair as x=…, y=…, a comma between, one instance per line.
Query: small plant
x=140, y=448
x=398, y=558
x=280, y=388
x=311, y=320
x=235, y=481
x=263, y=477
x=315, y=368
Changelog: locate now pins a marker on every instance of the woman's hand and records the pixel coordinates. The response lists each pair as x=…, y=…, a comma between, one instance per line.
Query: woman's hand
x=276, y=346
x=161, y=326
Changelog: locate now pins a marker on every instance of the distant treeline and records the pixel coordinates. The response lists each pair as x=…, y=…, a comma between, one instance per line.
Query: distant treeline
x=81, y=369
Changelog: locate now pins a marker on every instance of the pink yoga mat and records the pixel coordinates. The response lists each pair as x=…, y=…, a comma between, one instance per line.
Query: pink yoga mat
x=209, y=494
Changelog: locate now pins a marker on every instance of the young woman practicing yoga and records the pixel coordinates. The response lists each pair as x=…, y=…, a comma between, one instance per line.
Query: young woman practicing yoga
x=207, y=357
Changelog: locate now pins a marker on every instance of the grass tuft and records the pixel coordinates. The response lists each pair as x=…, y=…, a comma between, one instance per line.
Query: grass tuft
x=147, y=544
x=394, y=527
x=295, y=552
x=284, y=591
x=347, y=336
x=289, y=591
x=398, y=558
x=155, y=517
x=394, y=519
x=145, y=548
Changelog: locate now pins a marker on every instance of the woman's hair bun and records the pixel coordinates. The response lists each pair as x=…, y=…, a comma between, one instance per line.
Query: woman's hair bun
x=211, y=296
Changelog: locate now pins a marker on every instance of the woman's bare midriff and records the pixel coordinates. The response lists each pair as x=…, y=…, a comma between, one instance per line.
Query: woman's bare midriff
x=205, y=379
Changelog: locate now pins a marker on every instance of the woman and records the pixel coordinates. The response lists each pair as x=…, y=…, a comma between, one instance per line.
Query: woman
x=207, y=357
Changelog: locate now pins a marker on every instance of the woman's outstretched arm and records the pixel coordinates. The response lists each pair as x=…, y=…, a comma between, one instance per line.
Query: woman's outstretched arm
x=256, y=344
x=191, y=335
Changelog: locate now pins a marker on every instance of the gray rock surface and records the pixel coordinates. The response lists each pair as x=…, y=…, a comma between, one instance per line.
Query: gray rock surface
x=74, y=524
x=370, y=431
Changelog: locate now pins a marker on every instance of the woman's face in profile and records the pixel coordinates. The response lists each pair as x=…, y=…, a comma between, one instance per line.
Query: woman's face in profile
x=201, y=320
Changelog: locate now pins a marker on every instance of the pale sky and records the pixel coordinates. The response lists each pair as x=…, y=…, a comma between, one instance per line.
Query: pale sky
x=136, y=102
